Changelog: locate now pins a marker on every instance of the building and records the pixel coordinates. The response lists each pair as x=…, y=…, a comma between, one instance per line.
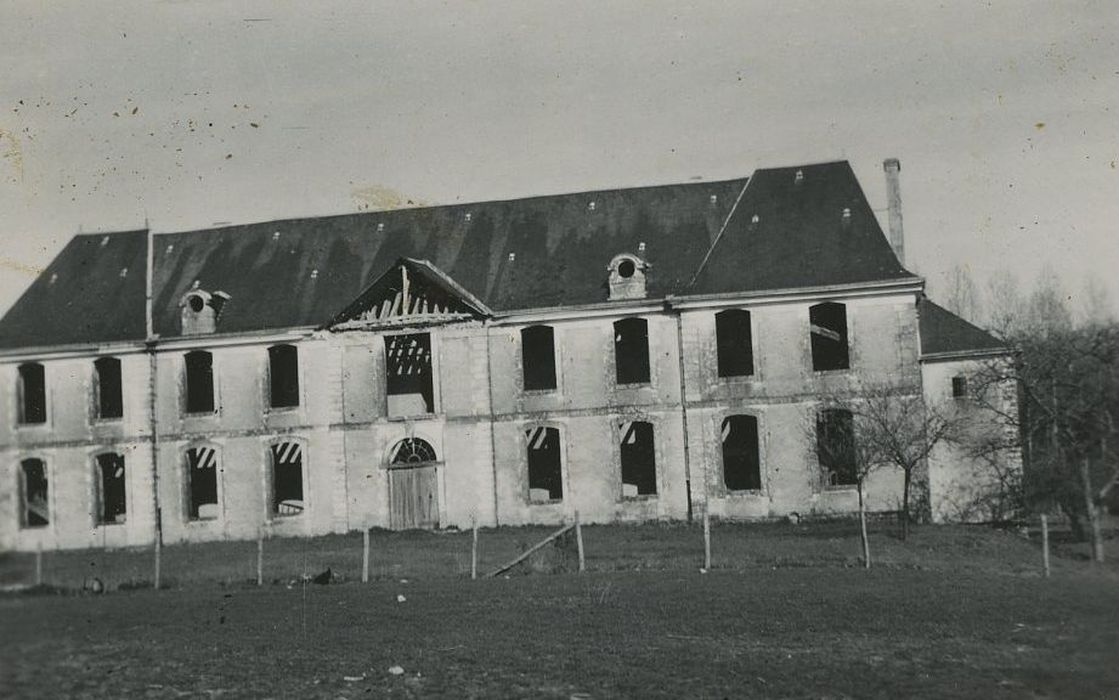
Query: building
x=632, y=354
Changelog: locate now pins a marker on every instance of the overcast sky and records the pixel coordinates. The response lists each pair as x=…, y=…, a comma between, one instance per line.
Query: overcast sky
x=1004, y=115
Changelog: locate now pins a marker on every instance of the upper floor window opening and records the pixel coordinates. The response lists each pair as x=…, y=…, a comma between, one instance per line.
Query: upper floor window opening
x=408, y=375
x=110, y=399
x=828, y=325
x=283, y=376
x=959, y=387
x=32, y=391
x=734, y=343
x=631, y=351
x=538, y=358
x=199, y=382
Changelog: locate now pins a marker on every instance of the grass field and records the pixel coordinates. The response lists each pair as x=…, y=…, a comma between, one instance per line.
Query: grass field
x=954, y=612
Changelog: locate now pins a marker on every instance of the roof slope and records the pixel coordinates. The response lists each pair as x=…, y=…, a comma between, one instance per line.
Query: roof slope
x=519, y=254
x=530, y=253
x=944, y=332
x=92, y=292
x=790, y=232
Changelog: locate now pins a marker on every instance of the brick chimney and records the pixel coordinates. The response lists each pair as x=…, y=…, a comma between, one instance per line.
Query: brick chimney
x=893, y=193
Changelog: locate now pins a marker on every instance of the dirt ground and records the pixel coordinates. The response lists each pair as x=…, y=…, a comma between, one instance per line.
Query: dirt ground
x=786, y=632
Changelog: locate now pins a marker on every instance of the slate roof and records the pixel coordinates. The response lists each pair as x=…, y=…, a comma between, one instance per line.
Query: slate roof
x=944, y=332
x=93, y=291
x=529, y=253
x=800, y=237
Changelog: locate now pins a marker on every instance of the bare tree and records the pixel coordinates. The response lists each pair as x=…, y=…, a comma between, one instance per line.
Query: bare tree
x=1004, y=305
x=844, y=459
x=1094, y=307
x=963, y=297
x=893, y=427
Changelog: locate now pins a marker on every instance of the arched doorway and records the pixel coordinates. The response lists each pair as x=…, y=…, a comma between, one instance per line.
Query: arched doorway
x=413, y=485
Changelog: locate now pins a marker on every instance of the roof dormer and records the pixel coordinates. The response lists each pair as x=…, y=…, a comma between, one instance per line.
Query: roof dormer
x=627, y=277
x=200, y=310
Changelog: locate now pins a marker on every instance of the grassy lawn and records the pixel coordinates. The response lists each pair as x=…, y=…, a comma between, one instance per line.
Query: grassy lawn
x=762, y=632
x=662, y=547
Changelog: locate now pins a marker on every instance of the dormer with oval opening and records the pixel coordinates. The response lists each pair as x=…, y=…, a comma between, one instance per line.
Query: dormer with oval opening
x=200, y=311
x=627, y=277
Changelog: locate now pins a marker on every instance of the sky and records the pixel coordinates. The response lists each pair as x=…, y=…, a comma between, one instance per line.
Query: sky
x=185, y=115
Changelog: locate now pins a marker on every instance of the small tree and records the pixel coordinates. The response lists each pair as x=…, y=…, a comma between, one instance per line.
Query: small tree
x=843, y=457
x=894, y=427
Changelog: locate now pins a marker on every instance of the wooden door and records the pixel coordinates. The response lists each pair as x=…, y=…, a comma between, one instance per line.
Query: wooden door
x=413, y=498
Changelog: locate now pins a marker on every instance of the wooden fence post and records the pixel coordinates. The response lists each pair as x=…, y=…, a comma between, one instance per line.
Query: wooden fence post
x=474, y=547
x=706, y=540
x=1045, y=544
x=157, y=577
x=260, y=557
x=365, y=555
x=579, y=543
x=39, y=565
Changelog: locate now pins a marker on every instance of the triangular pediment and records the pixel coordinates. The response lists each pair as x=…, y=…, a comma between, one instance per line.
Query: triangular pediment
x=411, y=292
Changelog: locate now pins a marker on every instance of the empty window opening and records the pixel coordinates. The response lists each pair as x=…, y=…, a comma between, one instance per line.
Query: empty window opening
x=639, y=460
x=408, y=374
x=110, y=403
x=283, y=376
x=538, y=352
x=959, y=387
x=32, y=394
x=829, y=336
x=545, y=474
x=34, y=508
x=741, y=458
x=287, y=479
x=835, y=447
x=202, y=483
x=631, y=351
x=111, y=490
x=199, y=382
x=735, y=343
x=412, y=451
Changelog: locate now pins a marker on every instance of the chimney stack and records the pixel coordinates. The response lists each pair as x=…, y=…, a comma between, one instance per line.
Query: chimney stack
x=893, y=193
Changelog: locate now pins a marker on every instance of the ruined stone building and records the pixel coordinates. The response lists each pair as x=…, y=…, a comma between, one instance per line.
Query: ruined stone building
x=635, y=354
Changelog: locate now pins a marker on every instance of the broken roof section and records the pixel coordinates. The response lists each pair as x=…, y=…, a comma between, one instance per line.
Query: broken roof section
x=93, y=291
x=945, y=334
x=412, y=292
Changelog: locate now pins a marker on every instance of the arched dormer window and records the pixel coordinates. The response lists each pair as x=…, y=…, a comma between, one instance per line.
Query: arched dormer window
x=627, y=277
x=200, y=311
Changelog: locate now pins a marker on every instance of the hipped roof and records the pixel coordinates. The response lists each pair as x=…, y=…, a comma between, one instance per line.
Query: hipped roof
x=523, y=254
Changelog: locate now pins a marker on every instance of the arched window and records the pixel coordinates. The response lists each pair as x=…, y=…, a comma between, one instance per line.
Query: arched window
x=283, y=376
x=201, y=465
x=34, y=494
x=538, y=358
x=639, y=459
x=545, y=468
x=828, y=325
x=32, y=394
x=110, y=402
x=412, y=451
x=631, y=351
x=741, y=458
x=199, y=382
x=287, y=479
x=734, y=342
x=835, y=446
x=111, y=489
